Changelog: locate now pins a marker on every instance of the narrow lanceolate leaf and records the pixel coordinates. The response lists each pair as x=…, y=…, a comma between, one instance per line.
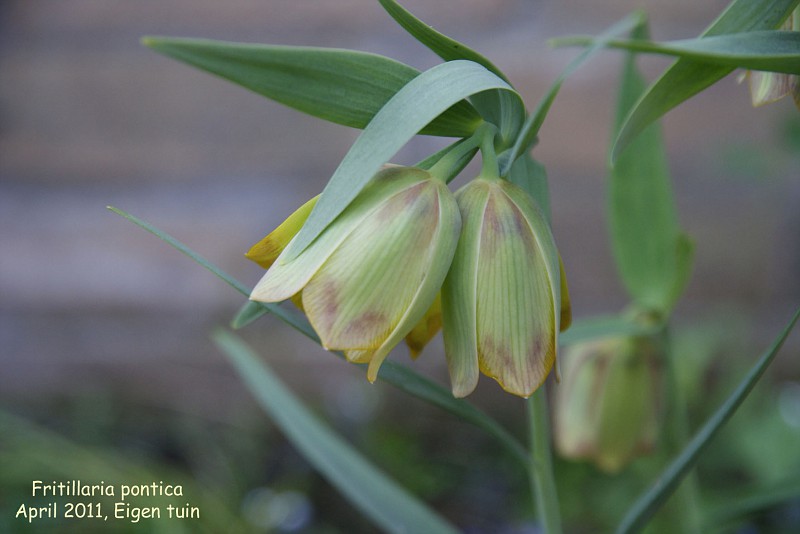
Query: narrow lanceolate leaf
x=421, y=387
x=364, y=485
x=647, y=505
x=687, y=77
x=342, y=86
x=443, y=46
x=413, y=107
x=645, y=235
x=249, y=312
x=498, y=107
x=531, y=177
x=604, y=326
x=527, y=136
x=775, y=51
x=301, y=325
x=398, y=375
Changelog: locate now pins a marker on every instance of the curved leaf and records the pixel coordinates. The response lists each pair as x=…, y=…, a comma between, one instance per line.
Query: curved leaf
x=498, y=107
x=687, y=77
x=364, y=485
x=774, y=51
x=527, y=136
x=409, y=110
x=342, y=86
x=602, y=326
x=647, y=505
x=443, y=46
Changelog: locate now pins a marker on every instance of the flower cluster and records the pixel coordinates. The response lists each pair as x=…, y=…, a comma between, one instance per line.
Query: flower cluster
x=408, y=257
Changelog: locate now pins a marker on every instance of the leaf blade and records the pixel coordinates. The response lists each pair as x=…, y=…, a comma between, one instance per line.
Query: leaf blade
x=393, y=126
x=643, y=222
x=648, y=503
x=685, y=78
x=443, y=46
x=498, y=107
x=774, y=51
x=342, y=86
x=530, y=129
x=365, y=486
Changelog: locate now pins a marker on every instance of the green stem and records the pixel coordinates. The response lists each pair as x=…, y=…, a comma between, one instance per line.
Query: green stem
x=682, y=512
x=490, y=168
x=451, y=163
x=543, y=483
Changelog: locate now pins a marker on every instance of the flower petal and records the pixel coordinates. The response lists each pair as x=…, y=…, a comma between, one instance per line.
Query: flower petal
x=266, y=251
x=358, y=356
x=440, y=257
x=286, y=278
x=566, y=306
x=459, y=292
x=362, y=290
x=425, y=329
x=518, y=286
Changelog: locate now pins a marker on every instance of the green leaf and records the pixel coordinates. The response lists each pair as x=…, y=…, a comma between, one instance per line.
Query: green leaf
x=249, y=312
x=398, y=375
x=531, y=176
x=687, y=77
x=405, y=379
x=443, y=46
x=292, y=320
x=365, y=486
x=644, y=226
x=527, y=136
x=605, y=326
x=342, y=86
x=775, y=51
x=498, y=107
x=647, y=505
x=414, y=106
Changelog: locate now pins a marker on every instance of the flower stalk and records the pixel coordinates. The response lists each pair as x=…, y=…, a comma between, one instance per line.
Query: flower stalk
x=542, y=478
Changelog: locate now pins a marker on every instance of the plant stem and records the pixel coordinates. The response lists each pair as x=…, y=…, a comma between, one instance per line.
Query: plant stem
x=683, y=510
x=449, y=164
x=543, y=483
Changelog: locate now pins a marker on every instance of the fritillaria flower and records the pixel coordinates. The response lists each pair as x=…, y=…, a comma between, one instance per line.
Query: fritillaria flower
x=505, y=299
x=374, y=274
x=607, y=408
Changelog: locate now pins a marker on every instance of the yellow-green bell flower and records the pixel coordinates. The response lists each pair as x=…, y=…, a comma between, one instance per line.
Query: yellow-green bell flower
x=503, y=299
x=608, y=405
x=372, y=275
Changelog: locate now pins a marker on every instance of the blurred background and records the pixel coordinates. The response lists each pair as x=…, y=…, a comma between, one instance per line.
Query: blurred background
x=107, y=366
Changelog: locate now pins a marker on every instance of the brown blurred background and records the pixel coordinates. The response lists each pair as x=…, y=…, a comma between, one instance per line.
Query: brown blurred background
x=93, y=307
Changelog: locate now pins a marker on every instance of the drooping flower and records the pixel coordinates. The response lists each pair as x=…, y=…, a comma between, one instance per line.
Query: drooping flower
x=375, y=272
x=504, y=299
x=607, y=408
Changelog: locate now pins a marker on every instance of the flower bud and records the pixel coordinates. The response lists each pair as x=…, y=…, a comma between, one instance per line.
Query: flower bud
x=502, y=299
x=608, y=405
x=375, y=272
